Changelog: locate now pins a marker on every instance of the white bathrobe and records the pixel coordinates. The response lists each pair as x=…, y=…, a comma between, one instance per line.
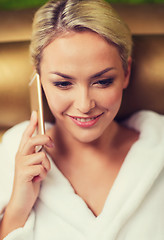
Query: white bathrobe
x=134, y=208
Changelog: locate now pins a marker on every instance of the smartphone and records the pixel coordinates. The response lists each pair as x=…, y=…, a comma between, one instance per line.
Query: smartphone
x=37, y=102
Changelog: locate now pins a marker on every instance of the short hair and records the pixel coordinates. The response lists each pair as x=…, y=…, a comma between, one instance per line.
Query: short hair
x=59, y=17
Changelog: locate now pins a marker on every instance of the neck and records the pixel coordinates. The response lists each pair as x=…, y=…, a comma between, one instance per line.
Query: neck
x=111, y=148
x=69, y=146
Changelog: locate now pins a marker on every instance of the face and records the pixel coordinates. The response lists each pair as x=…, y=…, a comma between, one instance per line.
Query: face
x=83, y=79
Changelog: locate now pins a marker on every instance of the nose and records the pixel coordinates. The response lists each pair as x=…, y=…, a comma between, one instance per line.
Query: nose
x=84, y=101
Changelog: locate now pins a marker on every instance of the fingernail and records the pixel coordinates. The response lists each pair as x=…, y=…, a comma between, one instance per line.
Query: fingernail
x=50, y=144
x=38, y=148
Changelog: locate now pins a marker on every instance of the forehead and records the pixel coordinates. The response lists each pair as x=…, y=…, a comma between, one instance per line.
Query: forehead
x=84, y=50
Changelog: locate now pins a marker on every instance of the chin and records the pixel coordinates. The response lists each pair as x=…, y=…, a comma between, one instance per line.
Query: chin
x=87, y=137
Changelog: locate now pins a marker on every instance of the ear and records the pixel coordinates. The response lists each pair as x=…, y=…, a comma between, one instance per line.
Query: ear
x=127, y=74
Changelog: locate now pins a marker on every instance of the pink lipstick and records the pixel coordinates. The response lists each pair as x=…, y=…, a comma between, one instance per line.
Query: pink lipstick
x=85, y=122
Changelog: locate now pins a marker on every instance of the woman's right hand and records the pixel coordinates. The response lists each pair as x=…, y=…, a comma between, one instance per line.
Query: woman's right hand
x=31, y=169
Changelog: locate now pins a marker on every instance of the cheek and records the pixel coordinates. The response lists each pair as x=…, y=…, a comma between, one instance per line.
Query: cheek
x=58, y=102
x=111, y=99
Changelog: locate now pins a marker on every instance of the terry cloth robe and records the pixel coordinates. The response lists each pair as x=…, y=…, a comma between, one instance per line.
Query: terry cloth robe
x=134, y=208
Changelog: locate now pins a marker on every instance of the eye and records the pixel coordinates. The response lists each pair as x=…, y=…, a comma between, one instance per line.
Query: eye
x=62, y=84
x=104, y=83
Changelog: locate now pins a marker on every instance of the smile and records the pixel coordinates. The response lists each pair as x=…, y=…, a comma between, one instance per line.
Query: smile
x=85, y=121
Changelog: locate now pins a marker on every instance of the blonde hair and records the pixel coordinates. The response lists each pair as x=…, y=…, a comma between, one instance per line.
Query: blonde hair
x=58, y=17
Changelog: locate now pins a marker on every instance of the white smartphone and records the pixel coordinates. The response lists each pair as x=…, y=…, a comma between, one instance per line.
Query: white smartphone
x=36, y=101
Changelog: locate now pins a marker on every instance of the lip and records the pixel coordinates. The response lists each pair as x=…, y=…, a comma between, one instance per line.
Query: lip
x=85, y=122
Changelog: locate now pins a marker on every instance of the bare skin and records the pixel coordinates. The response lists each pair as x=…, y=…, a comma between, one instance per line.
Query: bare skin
x=89, y=157
x=30, y=169
x=82, y=82
x=91, y=179
x=93, y=171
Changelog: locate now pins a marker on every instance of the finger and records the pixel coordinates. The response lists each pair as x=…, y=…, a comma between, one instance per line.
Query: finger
x=37, y=179
x=38, y=140
x=29, y=131
x=35, y=171
x=38, y=158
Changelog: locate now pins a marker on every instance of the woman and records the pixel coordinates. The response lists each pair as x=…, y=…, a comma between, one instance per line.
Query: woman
x=95, y=179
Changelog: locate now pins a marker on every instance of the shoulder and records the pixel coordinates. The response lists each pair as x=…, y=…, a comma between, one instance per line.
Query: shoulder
x=15, y=130
x=150, y=126
x=147, y=122
x=145, y=117
x=12, y=138
x=8, y=149
x=148, y=152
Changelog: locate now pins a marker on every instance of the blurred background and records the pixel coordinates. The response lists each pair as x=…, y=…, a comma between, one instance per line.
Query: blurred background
x=145, y=19
x=19, y=4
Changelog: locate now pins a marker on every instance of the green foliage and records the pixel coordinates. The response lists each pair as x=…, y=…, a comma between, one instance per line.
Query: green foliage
x=135, y=1
x=22, y=4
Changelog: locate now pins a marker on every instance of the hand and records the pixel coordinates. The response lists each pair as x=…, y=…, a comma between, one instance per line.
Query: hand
x=31, y=168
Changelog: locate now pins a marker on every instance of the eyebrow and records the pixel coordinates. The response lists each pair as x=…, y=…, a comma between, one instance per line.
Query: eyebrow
x=96, y=75
x=62, y=75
